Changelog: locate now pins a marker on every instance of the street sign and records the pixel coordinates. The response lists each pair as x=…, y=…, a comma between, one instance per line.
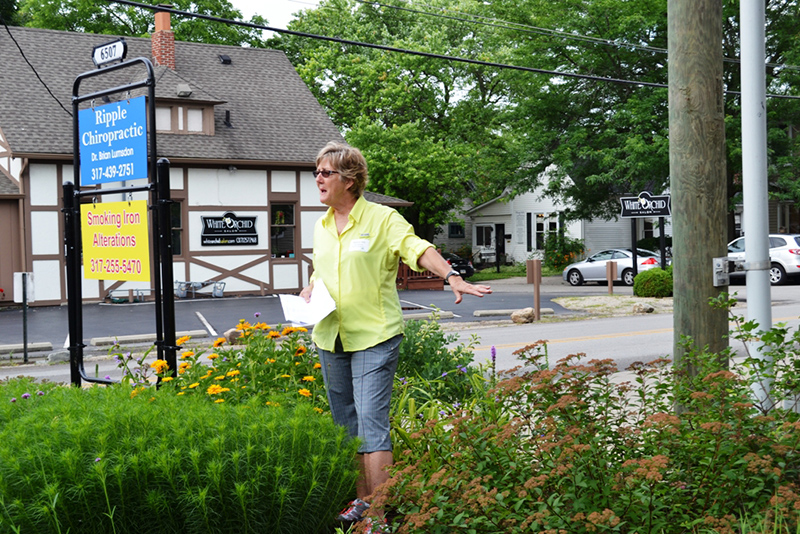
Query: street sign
x=645, y=205
x=108, y=52
x=113, y=142
x=115, y=241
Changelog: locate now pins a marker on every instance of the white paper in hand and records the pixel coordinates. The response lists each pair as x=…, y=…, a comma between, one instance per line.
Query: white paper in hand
x=301, y=313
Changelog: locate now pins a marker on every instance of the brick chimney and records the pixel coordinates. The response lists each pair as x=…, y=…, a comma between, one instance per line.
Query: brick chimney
x=164, y=40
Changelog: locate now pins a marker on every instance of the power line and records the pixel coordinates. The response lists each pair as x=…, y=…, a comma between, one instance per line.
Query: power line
x=22, y=53
x=527, y=28
x=408, y=51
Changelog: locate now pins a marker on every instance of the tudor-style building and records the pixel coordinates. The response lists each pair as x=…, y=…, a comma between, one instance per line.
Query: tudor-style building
x=240, y=129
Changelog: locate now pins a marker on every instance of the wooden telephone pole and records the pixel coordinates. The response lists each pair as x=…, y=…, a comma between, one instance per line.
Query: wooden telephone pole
x=697, y=170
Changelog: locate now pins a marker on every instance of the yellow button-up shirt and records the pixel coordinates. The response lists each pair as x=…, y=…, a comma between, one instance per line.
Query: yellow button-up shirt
x=359, y=268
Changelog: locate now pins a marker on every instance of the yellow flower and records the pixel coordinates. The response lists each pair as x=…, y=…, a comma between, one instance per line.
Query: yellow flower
x=297, y=363
x=304, y=392
x=214, y=389
x=300, y=329
x=181, y=340
x=218, y=401
x=212, y=356
x=136, y=391
x=187, y=354
x=261, y=326
x=270, y=403
x=182, y=393
x=167, y=379
x=220, y=377
x=308, y=379
x=273, y=334
x=233, y=372
x=160, y=366
x=192, y=386
x=219, y=342
x=183, y=367
x=317, y=365
x=270, y=360
x=286, y=376
x=318, y=410
x=243, y=325
x=288, y=330
x=300, y=351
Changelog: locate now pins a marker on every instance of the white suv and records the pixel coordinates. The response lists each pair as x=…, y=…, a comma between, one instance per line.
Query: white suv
x=784, y=255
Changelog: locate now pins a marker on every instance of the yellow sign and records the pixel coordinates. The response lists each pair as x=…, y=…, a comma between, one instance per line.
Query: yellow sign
x=115, y=242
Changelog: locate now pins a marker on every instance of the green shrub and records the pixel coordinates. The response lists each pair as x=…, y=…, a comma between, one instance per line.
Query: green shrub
x=429, y=355
x=653, y=283
x=109, y=460
x=561, y=250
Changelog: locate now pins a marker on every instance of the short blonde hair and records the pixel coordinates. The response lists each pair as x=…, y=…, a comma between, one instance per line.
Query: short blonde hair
x=349, y=162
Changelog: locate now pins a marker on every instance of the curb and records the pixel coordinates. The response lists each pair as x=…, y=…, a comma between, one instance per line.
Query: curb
x=141, y=338
x=504, y=313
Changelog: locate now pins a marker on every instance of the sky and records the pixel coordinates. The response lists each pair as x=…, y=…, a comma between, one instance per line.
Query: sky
x=277, y=12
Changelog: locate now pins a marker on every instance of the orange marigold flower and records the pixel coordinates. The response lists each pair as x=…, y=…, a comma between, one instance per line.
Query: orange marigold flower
x=192, y=386
x=167, y=379
x=317, y=365
x=187, y=354
x=212, y=356
x=300, y=329
x=270, y=360
x=233, y=372
x=244, y=325
x=214, y=389
x=273, y=334
x=308, y=379
x=288, y=330
x=304, y=392
x=220, y=377
x=160, y=366
x=300, y=351
x=219, y=342
x=181, y=340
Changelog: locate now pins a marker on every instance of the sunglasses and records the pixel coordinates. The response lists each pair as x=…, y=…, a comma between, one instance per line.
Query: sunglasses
x=326, y=174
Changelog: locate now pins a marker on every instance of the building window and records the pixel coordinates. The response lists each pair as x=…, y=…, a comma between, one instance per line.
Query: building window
x=484, y=236
x=183, y=119
x=455, y=230
x=176, y=226
x=648, y=229
x=546, y=225
x=282, y=230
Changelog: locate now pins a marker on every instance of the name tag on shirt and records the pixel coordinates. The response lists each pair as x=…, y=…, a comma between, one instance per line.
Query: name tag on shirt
x=359, y=245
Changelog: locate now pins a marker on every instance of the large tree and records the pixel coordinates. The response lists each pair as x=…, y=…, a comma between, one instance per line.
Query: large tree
x=596, y=138
x=111, y=18
x=433, y=129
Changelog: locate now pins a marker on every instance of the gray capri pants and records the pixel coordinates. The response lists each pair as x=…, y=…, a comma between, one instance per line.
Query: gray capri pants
x=359, y=386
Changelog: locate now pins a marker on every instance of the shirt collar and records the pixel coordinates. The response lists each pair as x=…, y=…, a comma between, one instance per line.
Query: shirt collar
x=355, y=214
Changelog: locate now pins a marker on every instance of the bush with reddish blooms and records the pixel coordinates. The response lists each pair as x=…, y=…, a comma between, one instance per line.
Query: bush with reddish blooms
x=566, y=448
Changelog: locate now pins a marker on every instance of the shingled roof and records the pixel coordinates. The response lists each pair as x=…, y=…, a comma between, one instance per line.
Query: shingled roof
x=274, y=117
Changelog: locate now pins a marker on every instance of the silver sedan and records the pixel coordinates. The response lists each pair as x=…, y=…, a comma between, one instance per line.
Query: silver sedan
x=593, y=268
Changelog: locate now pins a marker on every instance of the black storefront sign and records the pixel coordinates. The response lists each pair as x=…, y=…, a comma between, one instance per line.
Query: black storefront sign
x=645, y=205
x=229, y=229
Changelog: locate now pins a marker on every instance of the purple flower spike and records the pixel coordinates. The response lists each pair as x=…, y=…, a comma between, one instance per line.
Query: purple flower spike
x=13, y=399
x=40, y=393
x=403, y=381
x=26, y=395
x=444, y=374
x=257, y=315
x=494, y=354
x=97, y=459
x=108, y=377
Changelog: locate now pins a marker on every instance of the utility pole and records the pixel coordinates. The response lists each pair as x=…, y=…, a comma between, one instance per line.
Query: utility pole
x=697, y=170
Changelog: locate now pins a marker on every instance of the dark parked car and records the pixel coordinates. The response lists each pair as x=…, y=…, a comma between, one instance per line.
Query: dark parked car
x=459, y=264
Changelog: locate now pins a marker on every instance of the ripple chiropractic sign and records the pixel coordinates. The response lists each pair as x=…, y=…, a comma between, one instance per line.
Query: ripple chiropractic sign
x=113, y=142
x=645, y=205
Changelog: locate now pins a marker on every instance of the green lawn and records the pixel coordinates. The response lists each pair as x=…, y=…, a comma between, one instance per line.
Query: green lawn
x=506, y=271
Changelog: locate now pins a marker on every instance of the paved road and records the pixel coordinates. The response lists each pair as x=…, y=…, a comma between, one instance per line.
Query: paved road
x=50, y=324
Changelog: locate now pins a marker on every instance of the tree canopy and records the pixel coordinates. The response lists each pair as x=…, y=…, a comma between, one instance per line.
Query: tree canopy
x=110, y=18
x=594, y=130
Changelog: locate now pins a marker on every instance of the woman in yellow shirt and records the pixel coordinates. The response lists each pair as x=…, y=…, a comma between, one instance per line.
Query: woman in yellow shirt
x=357, y=248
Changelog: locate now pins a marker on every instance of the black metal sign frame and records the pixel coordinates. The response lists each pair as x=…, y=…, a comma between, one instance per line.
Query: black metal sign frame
x=159, y=189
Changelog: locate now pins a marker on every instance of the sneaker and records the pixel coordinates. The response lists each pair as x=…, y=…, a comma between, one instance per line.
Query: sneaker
x=354, y=511
x=376, y=526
